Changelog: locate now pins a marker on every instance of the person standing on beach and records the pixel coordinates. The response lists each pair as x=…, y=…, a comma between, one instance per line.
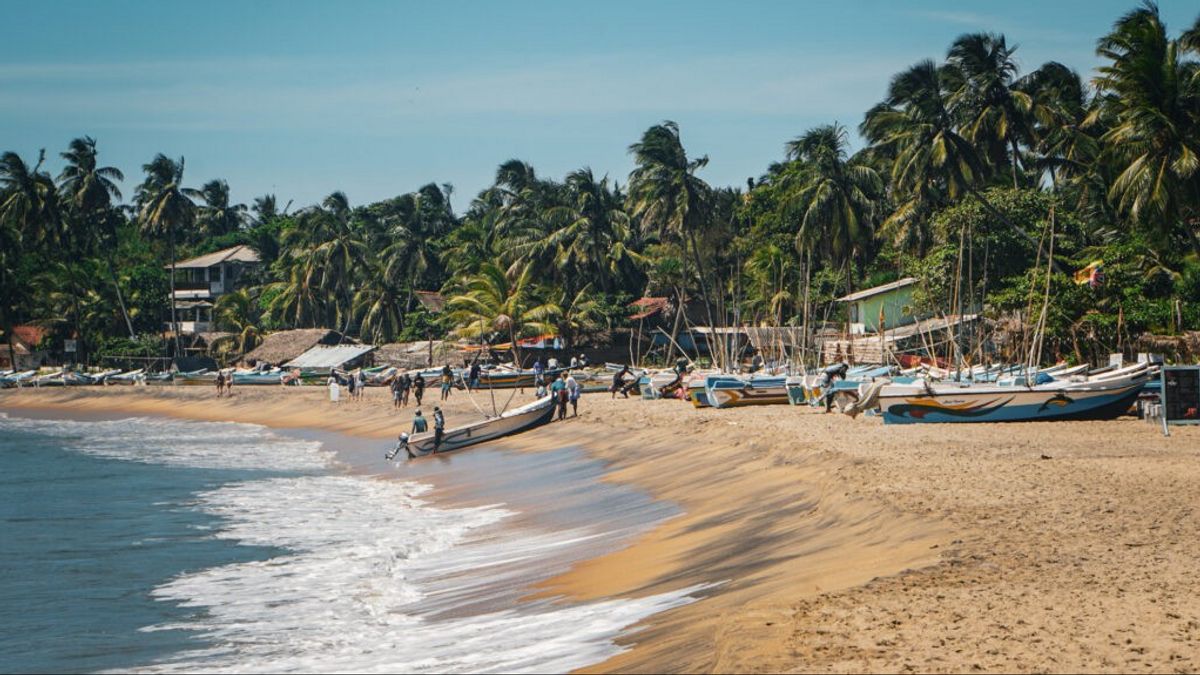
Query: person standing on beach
x=447, y=381
x=552, y=364
x=419, y=387
x=420, y=424
x=573, y=391
x=473, y=377
x=538, y=370
x=559, y=391
x=405, y=387
x=439, y=427
x=220, y=383
x=360, y=382
x=335, y=392
x=395, y=387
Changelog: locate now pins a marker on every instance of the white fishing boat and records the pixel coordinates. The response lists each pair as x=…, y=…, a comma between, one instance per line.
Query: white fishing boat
x=512, y=422
x=1080, y=397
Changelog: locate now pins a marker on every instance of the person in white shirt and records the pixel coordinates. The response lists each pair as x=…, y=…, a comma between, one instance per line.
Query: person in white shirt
x=552, y=363
x=573, y=391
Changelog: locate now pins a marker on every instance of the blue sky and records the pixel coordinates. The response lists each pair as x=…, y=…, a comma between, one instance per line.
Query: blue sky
x=379, y=98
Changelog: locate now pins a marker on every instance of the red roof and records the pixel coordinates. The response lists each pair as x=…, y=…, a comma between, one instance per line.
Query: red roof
x=649, y=306
x=30, y=335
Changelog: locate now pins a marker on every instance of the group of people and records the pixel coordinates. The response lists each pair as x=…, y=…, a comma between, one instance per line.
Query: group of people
x=404, y=384
x=420, y=425
x=356, y=385
x=565, y=389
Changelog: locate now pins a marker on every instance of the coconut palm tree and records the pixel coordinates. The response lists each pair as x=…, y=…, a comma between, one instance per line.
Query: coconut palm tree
x=994, y=113
x=667, y=196
x=1148, y=95
x=90, y=190
x=930, y=159
x=499, y=302
x=591, y=233
x=836, y=198
x=217, y=216
x=238, y=313
x=166, y=210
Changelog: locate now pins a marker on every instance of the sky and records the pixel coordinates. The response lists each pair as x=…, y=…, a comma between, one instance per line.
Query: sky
x=376, y=99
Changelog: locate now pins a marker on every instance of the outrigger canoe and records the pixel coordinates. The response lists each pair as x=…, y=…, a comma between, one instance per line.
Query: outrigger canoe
x=512, y=422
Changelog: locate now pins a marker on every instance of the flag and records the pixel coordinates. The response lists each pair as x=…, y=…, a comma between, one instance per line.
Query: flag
x=1092, y=275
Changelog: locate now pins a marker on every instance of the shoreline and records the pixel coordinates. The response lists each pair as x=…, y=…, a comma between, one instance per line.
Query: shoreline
x=837, y=545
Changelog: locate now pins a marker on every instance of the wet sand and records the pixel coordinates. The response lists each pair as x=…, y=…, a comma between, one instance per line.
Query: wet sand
x=844, y=545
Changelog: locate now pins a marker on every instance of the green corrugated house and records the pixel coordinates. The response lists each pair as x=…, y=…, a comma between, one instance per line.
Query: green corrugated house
x=893, y=301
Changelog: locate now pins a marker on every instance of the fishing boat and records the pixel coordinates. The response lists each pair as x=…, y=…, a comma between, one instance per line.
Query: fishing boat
x=512, y=422
x=17, y=379
x=729, y=391
x=202, y=376
x=244, y=377
x=1099, y=397
x=507, y=377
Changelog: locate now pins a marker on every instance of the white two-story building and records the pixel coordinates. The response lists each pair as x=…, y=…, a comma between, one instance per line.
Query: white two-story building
x=201, y=280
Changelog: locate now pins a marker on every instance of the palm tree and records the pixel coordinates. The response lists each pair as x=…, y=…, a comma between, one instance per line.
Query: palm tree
x=29, y=215
x=1149, y=97
x=498, y=302
x=166, y=208
x=591, y=232
x=237, y=312
x=218, y=217
x=837, y=197
x=422, y=219
x=931, y=160
x=667, y=196
x=90, y=190
x=377, y=305
x=995, y=114
x=579, y=314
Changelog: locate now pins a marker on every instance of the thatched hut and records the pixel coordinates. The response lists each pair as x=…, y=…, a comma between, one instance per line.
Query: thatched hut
x=283, y=346
x=1183, y=348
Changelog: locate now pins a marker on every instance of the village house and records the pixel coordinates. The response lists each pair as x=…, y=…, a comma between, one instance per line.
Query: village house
x=201, y=280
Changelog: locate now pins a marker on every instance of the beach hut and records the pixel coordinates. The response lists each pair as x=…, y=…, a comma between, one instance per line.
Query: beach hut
x=286, y=345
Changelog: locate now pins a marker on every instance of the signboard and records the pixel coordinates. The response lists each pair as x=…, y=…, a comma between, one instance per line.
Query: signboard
x=70, y=345
x=1181, y=394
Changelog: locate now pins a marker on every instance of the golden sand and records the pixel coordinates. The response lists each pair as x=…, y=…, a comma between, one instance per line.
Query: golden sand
x=843, y=545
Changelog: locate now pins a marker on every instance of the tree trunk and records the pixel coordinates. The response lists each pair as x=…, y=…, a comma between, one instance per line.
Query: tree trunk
x=1016, y=153
x=703, y=286
x=112, y=270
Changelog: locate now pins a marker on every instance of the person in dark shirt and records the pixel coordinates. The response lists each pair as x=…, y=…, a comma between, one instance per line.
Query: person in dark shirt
x=419, y=387
x=439, y=428
x=618, y=383
x=420, y=424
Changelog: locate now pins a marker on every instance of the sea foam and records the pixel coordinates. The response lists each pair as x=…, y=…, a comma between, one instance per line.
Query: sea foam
x=370, y=577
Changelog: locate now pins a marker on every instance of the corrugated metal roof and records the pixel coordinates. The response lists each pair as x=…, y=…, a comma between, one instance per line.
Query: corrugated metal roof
x=906, y=281
x=323, y=356
x=241, y=253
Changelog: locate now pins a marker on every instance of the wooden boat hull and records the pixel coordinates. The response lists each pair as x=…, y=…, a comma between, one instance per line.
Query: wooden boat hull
x=1019, y=404
x=513, y=422
x=732, y=392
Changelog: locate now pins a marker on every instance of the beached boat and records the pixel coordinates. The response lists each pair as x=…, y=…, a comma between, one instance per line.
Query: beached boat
x=1100, y=397
x=512, y=422
x=244, y=377
x=729, y=391
x=17, y=379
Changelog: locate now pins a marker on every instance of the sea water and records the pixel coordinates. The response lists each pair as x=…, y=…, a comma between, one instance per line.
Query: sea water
x=164, y=545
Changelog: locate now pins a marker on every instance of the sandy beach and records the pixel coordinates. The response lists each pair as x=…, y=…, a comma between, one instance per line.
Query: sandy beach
x=832, y=544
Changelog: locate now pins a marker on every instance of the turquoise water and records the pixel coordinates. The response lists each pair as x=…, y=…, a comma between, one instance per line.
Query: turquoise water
x=86, y=539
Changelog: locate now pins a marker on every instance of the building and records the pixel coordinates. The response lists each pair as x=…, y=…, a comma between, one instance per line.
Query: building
x=201, y=280
x=25, y=342
x=285, y=345
x=891, y=303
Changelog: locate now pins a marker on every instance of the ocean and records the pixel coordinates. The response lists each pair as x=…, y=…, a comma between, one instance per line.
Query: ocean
x=162, y=545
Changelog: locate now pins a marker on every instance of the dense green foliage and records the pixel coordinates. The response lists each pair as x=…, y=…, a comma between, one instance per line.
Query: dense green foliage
x=971, y=173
